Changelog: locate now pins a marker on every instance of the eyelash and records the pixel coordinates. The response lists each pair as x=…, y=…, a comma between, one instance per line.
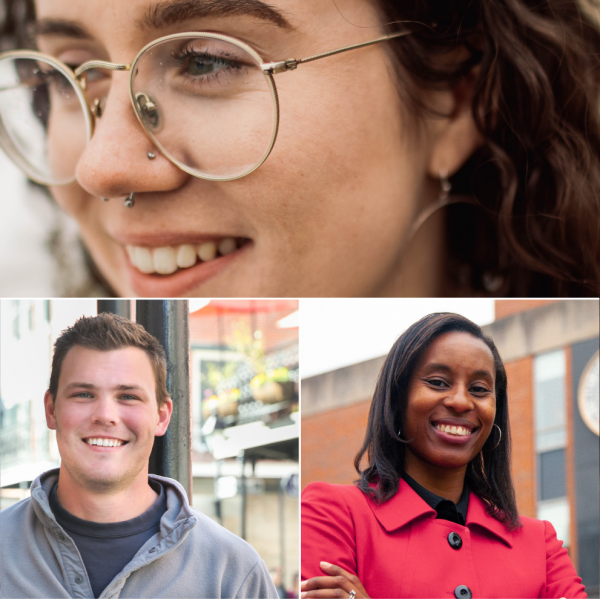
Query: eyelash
x=188, y=52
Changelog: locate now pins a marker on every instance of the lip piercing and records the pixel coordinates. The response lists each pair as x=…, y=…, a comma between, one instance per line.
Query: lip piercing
x=151, y=155
x=130, y=202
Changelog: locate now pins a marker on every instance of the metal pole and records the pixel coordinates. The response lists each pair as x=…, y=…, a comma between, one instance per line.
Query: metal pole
x=242, y=461
x=115, y=306
x=282, y=530
x=168, y=321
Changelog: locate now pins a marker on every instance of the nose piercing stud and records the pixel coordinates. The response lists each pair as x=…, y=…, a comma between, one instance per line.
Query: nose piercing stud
x=151, y=155
x=130, y=202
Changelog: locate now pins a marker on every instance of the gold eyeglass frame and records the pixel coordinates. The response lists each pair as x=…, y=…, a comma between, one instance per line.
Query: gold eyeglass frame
x=78, y=79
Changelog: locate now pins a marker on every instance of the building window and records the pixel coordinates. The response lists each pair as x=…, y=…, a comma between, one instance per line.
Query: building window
x=550, y=441
x=550, y=409
x=551, y=474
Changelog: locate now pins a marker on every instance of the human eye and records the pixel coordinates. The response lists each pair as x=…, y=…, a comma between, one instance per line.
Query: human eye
x=128, y=397
x=437, y=382
x=480, y=389
x=200, y=66
x=83, y=395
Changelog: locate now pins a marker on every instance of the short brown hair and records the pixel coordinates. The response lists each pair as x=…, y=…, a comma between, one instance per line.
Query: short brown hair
x=108, y=332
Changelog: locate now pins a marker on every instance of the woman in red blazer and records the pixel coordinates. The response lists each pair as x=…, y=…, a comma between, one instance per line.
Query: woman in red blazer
x=434, y=512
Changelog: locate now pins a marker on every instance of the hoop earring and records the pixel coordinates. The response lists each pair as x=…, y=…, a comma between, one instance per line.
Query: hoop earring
x=445, y=185
x=130, y=202
x=500, y=439
x=443, y=200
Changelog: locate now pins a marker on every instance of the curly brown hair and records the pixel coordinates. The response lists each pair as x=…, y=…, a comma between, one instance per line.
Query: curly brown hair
x=536, y=102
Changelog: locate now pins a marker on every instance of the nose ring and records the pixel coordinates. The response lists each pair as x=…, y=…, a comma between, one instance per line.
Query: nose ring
x=130, y=202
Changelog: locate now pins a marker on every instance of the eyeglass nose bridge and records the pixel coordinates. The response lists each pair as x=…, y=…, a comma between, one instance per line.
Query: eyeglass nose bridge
x=97, y=107
x=80, y=72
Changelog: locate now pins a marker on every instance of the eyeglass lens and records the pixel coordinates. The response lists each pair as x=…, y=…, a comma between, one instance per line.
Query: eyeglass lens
x=42, y=120
x=206, y=103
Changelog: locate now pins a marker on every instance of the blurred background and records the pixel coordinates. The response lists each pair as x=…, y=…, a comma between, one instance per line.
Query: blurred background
x=550, y=350
x=239, y=390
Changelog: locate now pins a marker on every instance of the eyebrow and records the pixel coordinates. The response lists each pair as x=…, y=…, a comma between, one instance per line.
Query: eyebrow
x=165, y=13
x=60, y=27
x=121, y=387
x=172, y=12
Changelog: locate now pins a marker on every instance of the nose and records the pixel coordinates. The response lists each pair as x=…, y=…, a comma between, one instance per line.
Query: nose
x=116, y=162
x=460, y=400
x=106, y=412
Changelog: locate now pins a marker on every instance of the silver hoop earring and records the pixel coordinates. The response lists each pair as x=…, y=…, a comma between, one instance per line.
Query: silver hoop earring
x=443, y=200
x=130, y=202
x=151, y=155
x=500, y=439
x=445, y=185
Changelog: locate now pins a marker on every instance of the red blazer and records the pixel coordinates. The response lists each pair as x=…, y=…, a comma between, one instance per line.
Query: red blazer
x=399, y=549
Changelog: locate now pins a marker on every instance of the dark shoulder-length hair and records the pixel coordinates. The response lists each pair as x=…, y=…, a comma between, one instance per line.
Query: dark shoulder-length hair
x=534, y=228
x=487, y=475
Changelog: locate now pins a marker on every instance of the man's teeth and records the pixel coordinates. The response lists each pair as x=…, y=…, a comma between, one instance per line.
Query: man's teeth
x=104, y=442
x=167, y=259
x=453, y=430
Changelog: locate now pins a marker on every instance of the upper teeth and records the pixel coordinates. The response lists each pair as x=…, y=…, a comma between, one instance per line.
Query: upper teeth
x=104, y=442
x=167, y=259
x=453, y=430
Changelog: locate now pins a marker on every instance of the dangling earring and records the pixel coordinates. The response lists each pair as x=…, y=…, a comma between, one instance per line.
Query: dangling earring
x=443, y=200
x=445, y=185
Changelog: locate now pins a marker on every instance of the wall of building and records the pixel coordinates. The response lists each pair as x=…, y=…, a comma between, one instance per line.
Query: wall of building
x=520, y=384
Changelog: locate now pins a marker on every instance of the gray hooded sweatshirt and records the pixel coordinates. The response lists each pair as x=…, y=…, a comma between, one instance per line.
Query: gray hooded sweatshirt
x=191, y=556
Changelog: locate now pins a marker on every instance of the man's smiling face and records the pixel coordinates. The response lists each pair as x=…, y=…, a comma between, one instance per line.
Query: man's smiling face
x=106, y=395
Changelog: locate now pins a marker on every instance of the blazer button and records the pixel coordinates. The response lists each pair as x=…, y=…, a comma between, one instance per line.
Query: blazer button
x=462, y=592
x=455, y=540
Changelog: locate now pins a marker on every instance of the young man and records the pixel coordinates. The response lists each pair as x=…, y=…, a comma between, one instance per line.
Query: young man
x=101, y=526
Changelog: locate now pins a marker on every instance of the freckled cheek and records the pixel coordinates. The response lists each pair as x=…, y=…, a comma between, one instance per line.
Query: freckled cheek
x=72, y=199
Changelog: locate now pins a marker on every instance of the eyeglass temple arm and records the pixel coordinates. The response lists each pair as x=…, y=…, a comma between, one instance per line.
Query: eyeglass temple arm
x=272, y=68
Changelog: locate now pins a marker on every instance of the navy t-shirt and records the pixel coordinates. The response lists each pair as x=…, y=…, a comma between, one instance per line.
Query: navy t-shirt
x=107, y=548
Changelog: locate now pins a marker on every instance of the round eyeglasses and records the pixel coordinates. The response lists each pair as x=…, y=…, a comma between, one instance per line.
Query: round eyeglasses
x=207, y=101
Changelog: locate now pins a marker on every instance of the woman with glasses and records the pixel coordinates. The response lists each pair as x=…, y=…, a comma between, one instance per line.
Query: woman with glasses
x=338, y=147
x=433, y=513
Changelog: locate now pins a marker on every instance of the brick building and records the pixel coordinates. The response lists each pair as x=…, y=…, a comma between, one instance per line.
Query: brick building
x=550, y=350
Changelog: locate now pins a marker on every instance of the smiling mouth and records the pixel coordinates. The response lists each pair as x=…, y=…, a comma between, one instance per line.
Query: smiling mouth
x=458, y=431
x=166, y=260
x=103, y=442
